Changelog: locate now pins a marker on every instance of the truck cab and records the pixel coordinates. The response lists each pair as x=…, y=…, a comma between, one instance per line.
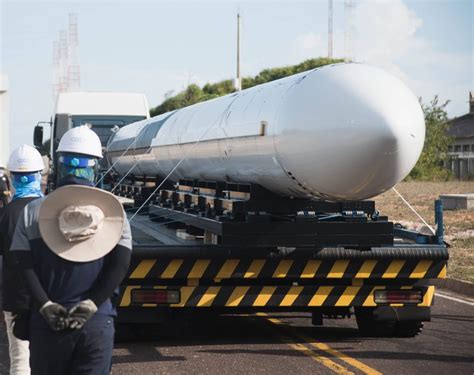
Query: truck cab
x=102, y=111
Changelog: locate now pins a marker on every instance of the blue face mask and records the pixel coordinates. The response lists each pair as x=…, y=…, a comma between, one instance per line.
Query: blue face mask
x=79, y=167
x=27, y=185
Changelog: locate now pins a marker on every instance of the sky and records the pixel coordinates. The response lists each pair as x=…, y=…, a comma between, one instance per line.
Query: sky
x=157, y=47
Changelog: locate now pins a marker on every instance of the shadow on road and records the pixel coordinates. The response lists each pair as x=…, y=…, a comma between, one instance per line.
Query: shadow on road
x=141, y=353
x=458, y=318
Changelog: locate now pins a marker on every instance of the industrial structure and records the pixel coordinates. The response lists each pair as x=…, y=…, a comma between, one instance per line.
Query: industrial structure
x=461, y=152
x=4, y=126
x=66, y=69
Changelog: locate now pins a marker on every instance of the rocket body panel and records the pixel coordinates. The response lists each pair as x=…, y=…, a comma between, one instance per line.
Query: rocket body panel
x=345, y=131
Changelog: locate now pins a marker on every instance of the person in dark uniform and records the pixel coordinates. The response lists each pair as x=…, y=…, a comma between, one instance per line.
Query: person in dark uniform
x=73, y=249
x=5, y=189
x=25, y=165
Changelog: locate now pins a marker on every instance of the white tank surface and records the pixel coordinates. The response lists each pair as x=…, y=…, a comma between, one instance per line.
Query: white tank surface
x=340, y=132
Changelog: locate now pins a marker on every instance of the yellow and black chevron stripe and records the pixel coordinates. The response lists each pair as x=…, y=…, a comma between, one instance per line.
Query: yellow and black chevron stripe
x=217, y=269
x=273, y=296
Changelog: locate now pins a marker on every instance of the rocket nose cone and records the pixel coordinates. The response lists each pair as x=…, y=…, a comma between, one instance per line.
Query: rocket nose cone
x=350, y=133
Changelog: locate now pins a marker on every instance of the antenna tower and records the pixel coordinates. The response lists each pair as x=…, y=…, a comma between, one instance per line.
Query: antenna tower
x=73, y=70
x=55, y=70
x=63, y=62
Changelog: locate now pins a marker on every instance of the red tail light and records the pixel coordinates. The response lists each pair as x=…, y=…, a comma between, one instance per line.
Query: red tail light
x=155, y=296
x=398, y=296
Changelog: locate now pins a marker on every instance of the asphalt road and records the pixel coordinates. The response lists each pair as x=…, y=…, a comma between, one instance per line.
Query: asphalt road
x=289, y=344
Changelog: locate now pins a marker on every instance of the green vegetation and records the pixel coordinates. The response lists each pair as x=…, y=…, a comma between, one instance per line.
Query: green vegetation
x=194, y=94
x=430, y=166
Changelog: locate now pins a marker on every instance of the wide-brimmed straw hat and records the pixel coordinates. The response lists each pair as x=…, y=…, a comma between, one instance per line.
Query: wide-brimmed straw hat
x=81, y=223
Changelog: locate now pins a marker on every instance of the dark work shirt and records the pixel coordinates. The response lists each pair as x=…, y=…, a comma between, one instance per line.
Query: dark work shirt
x=14, y=297
x=64, y=282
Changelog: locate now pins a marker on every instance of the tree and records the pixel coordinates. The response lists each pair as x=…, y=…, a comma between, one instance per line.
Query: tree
x=430, y=166
x=194, y=94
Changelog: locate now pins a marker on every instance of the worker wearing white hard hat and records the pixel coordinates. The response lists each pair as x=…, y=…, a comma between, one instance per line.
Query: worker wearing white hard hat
x=79, y=153
x=25, y=164
x=73, y=248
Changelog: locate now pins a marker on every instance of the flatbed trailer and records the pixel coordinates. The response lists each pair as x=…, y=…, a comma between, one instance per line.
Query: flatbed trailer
x=388, y=288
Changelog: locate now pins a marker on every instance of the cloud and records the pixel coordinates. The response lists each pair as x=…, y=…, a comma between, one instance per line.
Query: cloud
x=389, y=34
x=384, y=30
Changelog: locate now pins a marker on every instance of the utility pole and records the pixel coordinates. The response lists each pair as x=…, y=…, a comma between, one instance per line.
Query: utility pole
x=330, y=29
x=238, y=82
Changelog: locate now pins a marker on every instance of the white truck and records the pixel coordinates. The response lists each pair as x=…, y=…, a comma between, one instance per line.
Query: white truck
x=103, y=111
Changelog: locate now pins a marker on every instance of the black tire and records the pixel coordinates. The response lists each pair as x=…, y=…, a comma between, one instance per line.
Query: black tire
x=409, y=328
x=370, y=327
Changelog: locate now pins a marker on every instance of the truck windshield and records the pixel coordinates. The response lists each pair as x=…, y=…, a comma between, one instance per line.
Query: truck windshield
x=103, y=125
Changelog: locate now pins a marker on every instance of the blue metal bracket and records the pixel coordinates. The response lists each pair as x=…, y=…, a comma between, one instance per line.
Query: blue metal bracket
x=437, y=238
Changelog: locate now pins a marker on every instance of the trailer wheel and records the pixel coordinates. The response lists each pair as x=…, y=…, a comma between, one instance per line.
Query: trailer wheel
x=409, y=328
x=370, y=327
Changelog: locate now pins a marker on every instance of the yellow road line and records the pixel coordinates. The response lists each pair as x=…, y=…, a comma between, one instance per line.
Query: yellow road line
x=331, y=365
x=336, y=353
x=327, y=349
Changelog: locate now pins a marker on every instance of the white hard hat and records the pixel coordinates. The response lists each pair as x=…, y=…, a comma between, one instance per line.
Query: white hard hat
x=25, y=159
x=81, y=140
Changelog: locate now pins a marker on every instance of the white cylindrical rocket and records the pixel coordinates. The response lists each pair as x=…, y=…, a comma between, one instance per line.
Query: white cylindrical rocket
x=340, y=132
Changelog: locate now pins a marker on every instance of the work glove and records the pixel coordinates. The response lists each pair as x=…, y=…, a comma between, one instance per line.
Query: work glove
x=55, y=315
x=81, y=313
